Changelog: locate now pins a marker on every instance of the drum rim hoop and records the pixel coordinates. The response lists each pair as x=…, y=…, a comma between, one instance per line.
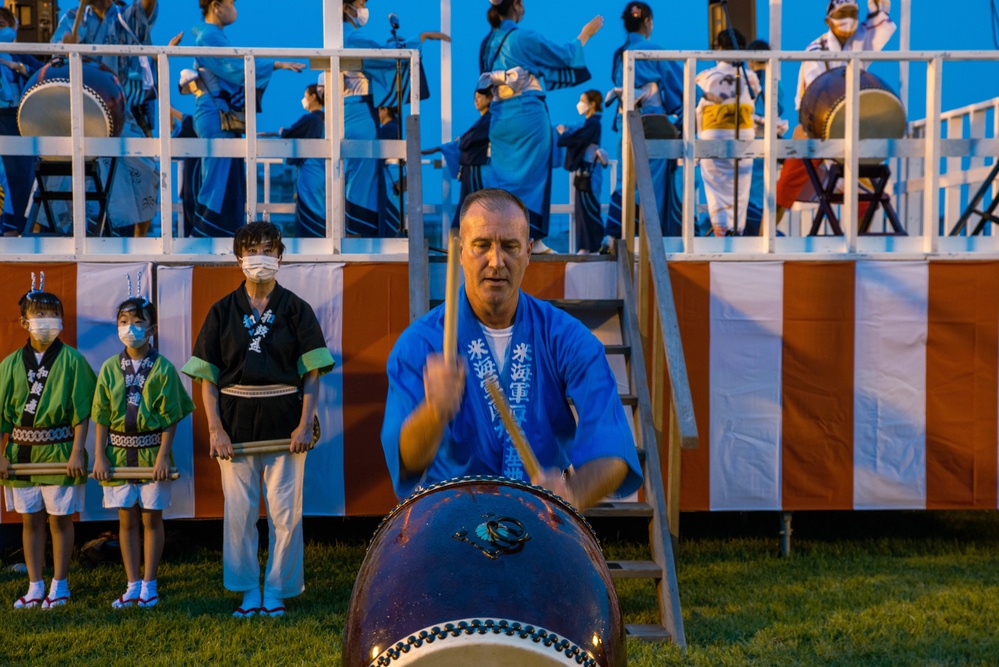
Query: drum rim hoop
x=841, y=100
x=526, y=631
x=476, y=479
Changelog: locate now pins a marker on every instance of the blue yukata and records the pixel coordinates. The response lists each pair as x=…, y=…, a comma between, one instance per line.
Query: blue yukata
x=134, y=193
x=221, y=207
x=191, y=182
x=16, y=171
x=581, y=143
x=467, y=160
x=520, y=132
x=375, y=81
x=658, y=84
x=389, y=220
x=310, y=188
x=551, y=357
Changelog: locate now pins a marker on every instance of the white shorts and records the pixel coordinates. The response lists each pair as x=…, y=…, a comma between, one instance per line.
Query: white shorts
x=148, y=495
x=56, y=500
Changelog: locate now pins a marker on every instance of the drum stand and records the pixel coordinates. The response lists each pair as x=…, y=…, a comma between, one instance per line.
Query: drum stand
x=827, y=197
x=985, y=215
x=43, y=197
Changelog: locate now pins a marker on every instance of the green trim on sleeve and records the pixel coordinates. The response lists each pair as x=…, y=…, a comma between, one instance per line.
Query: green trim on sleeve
x=199, y=370
x=318, y=359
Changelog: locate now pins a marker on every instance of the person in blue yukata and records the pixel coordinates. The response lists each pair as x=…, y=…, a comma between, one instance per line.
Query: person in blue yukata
x=439, y=421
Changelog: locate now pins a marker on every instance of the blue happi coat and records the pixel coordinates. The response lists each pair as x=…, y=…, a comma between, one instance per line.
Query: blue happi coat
x=551, y=357
x=668, y=76
x=310, y=189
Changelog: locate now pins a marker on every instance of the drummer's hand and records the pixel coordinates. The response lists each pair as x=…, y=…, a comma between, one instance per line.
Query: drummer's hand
x=102, y=469
x=301, y=439
x=220, y=445
x=75, y=466
x=294, y=67
x=161, y=469
x=176, y=39
x=875, y=6
x=430, y=151
x=69, y=38
x=443, y=385
x=440, y=36
x=591, y=28
x=553, y=480
x=4, y=466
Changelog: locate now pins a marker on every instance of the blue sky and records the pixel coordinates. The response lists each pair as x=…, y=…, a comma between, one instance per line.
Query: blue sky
x=680, y=25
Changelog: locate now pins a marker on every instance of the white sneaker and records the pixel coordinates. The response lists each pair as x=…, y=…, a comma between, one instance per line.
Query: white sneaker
x=541, y=249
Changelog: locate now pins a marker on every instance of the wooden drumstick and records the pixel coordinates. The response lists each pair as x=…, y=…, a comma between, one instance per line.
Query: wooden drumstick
x=451, y=302
x=273, y=446
x=530, y=461
x=78, y=20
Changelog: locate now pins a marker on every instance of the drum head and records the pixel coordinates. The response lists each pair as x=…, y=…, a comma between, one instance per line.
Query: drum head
x=882, y=116
x=44, y=112
x=470, y=642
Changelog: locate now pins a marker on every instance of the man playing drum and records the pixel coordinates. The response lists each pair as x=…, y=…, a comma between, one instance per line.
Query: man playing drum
x=845, y=34
x=439, y=426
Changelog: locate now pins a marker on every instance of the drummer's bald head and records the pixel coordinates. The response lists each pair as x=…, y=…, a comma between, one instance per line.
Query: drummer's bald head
x=497, y=200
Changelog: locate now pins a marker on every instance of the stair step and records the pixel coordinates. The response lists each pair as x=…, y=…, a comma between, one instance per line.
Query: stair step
x=634, y=569
x=626, y=399
x=618, y=349
x=579, y=305
x=620, y=510
x=648, y=632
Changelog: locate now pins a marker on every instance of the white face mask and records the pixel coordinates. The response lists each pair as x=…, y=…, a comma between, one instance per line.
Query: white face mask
x=582, y=108
x=45, y=329
x=362, y=17
x=260, y=268
x=844, y=26
x=132, y=335
x=305, y=104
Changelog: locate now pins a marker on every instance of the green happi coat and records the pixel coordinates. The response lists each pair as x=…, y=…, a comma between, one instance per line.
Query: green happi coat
x=164, y=403
x=65, y=401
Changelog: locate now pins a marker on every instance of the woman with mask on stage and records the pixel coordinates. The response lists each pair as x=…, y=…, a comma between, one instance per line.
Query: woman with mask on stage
x=585, y=160
x=375, y=81
x=658, y=90
x=522, y=66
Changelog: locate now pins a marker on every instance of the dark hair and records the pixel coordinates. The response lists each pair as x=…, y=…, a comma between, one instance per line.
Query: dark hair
x=8, y=16
x=594, y=96
x=313, y=89
x=144, y=307
x=254, y=233
x=758, y=45
x=32, y=302
x=347, y=16
x=724, y=40
x=205, y=4
x=391, y=111
x=634, y=15
x=495, y=199
x=497, y=13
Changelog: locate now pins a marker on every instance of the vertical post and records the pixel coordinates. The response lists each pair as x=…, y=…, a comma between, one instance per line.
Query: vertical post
x=251, y=137
x=931, y=167
x=904, y=44
x=79, y=153
x=419, y=265
x=447, y=126
x=689, y=117
x=627, y=167
x=775, y=25
x=770, y=157
x=332, y=24
x=166, y=157
x=334, y=168
x=851, y=162
x=265, y=215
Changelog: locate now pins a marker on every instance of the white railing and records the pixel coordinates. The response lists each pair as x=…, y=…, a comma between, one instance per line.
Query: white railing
x=928, y=149
x=79, y=149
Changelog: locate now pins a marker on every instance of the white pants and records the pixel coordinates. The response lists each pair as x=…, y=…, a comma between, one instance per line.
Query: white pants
x=283, y=476
x=148, y=495
x=719, y=178
x=55, y=500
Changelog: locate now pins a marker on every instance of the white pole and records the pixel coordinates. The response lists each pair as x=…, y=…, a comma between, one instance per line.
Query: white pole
x=333, y=39
x=333, y=24
x=447, y=126
x=775, y=27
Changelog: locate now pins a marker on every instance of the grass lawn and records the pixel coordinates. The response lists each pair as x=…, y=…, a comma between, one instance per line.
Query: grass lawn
x=859, y=589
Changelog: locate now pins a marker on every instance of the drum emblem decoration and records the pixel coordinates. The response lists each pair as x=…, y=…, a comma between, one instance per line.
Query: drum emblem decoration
x=496, y=536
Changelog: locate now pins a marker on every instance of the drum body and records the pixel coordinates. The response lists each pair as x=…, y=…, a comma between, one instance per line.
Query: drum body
x=44, y=110
x=823, y=108
x=484, y=571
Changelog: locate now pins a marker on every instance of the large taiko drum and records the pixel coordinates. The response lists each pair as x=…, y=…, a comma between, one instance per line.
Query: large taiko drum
x=484, y=571
x=44, y=108
x=823, y=108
